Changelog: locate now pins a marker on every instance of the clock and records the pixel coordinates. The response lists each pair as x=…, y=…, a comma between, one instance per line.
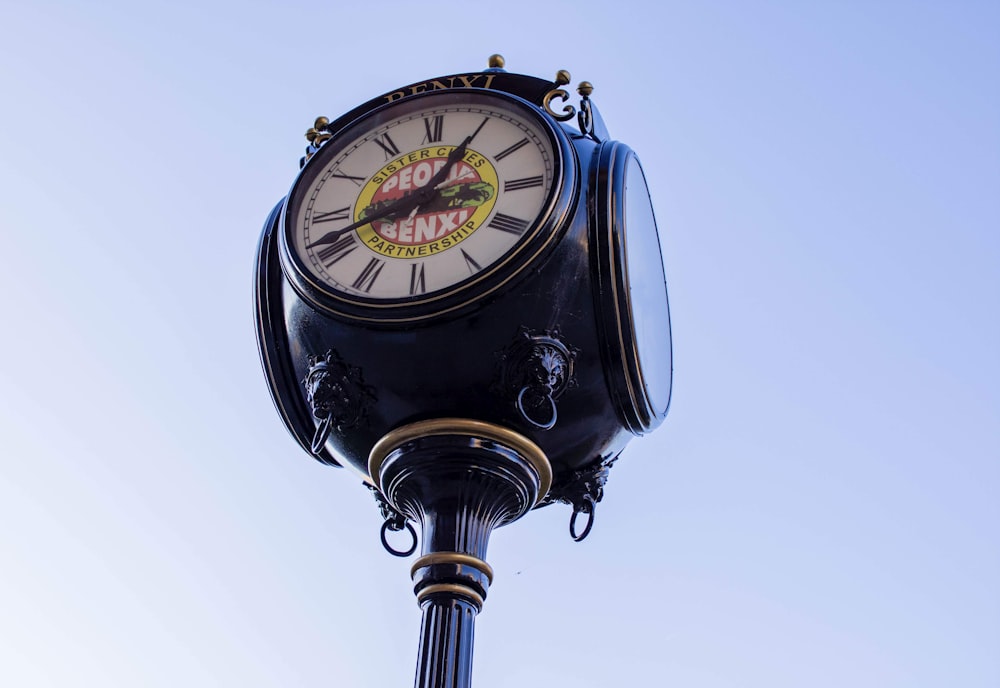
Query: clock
x=427, y=204
x=632, y=296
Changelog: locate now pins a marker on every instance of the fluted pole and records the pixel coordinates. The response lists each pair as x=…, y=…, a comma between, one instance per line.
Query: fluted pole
x=447, y=631
x=458, y=479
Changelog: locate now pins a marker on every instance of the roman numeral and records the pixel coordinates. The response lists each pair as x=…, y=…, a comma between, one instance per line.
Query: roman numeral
x=417, y=283
x=388, y=146
x=473, y=266
x=331, y=253
x=513, y=149
x=357, y=180
x=511, y=225
x=433, y=127
x=340, y=214
x=526, y=183
x=368, y=276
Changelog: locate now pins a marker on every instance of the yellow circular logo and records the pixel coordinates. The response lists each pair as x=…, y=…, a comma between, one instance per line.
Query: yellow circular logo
x=463, y=202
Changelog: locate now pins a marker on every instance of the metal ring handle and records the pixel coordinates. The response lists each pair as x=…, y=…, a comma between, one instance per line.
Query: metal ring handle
x=397, y=552
x=321, y=435
x=588, y=507
x=541, y=426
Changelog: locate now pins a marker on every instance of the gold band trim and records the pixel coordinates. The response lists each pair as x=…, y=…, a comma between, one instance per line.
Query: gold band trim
x=530, y=451
x=452, y=589
x=452, y=558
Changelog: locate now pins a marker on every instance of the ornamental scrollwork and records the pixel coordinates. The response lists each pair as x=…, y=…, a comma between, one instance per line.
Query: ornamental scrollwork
x=562, y=78
x=534, y=371
x=337, y=395
x=582, y=490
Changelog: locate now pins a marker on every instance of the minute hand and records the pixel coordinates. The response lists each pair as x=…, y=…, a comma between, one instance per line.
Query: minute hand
x=442, y=174
x=406, y=204
x=453, y=158
x=430, y=190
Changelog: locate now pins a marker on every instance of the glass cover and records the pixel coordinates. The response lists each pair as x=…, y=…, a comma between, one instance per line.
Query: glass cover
x=647, y=290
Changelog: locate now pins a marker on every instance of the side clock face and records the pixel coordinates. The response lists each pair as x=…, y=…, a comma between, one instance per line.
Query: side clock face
x=635, y=315
x=426, y=204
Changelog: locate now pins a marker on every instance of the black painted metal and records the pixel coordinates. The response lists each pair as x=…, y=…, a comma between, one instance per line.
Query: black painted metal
x=572, y=383
x=534, y=371
x=276, y=351
x=446, y=366
x=458, y=488
x=337, y=395
x=447, y=631
x=583, y=490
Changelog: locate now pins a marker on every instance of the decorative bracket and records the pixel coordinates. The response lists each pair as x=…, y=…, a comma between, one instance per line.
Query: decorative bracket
x=589, y=120
x=583, y=490
x=562, y=78
x=535, y=370
x=337, y=395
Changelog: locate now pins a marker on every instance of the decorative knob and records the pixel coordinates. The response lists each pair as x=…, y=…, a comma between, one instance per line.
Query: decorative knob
x=316, y=129
x=562, y=77
x=496, y=61
x=585, y=89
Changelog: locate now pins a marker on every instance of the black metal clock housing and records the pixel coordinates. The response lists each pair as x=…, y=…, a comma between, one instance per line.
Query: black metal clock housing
x=456, y=249
x=462, y=299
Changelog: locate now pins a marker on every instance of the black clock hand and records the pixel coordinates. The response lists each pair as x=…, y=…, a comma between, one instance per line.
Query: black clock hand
x=407, y=204
x=442, y=174
x=331, y=237
x=430, y=190
x=401, y=206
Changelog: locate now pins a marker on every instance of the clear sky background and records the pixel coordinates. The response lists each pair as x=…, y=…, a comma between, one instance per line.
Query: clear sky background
x=819, y=509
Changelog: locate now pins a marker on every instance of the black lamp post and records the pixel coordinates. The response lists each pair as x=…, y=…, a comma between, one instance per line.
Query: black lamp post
x=462, y=298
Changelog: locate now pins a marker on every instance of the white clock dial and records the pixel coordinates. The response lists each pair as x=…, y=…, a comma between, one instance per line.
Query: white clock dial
x=423, y=198
x=647, y=292
x=635, y=312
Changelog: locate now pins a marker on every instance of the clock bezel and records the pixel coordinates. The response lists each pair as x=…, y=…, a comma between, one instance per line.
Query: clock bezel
x=536, y=242
x=628, y=386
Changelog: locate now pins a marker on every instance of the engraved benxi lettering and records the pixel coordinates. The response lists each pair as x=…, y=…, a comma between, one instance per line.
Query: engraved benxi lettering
x=457, y=81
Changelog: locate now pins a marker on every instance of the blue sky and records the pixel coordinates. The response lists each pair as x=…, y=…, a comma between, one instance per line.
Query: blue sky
x=820, y=507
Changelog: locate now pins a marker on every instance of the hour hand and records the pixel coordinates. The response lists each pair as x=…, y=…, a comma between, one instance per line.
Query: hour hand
x=402, y=206
x=331, y=237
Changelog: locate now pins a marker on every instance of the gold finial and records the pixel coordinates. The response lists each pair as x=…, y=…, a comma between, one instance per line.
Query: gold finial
x=317, y=133
x=585, y=89
x=562, y=77
x=496, y=61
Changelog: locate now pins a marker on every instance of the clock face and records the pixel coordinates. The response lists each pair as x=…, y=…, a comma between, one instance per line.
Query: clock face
x=635, y=314
x=422, y=199
x=647, y=291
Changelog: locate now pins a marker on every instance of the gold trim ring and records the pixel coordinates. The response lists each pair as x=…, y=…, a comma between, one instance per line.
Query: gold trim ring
x=527, y=449
x=451, y=589
x=452, y=558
